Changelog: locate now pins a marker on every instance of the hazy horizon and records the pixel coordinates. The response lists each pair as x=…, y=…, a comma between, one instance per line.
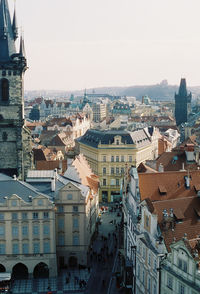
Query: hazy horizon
x=75, y=44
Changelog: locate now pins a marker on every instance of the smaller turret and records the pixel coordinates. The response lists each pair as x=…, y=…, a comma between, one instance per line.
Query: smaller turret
x=14, y=26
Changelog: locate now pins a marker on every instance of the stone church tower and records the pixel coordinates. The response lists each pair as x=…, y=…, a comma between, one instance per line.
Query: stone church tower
x=182, y=103
x=15, y=138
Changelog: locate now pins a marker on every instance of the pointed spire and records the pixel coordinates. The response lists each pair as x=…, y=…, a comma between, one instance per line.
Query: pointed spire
x=14, y=25
x=22, y=48
x=183, y=89
x=7, y=41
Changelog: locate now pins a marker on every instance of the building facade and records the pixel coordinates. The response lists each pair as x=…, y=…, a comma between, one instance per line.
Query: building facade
x=27, y=231
x=180, y=270
x=15, y=138
x=110, y=153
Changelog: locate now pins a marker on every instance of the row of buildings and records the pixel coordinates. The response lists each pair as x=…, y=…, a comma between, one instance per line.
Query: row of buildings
x=47, y=222
x=160, y=226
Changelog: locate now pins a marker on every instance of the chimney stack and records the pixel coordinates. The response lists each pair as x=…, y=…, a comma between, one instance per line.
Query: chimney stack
x=53, y=184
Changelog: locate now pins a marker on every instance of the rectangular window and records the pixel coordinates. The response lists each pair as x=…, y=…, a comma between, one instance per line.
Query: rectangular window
x=117, y=158
x=46, y=215
x=117, y=182
x=15, y=248
x=138, y=273
x=181, y=289
x=149, y=284
x=46, y=247
x=46, y=229
x=24, y=230
x=104, y=182
x=144, y=253
x=112, y=182
x=170, y=282
x=104, y=170
x=1, y=216
x=25, y=249
x=14, y=216
x=61, y=224
x=112, y=170
x=15, y=231
x=2, y=231
x=117, y=170
x=24, y=215
x=155, y=265
x=104, y=158
x=185, y=266
x=35, y=230
x=75, y=208
x=69, y=196
x=122, y=170
x=60, y=208
x=147, y=221
x=14, y=203
x=149, y=259
x=75, y=223
x=182, y=264
x=75, y=240
x=61, y=240
x=36, y=248
x=143, y=276
x=122, y=158
x=112, y=158
x=130, y=158
x=2, y=249
x=35, y=215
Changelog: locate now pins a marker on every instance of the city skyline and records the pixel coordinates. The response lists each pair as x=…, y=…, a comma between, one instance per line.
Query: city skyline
x=88, y=44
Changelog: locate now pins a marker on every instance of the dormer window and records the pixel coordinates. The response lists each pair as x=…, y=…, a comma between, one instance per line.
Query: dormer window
x=162, y=190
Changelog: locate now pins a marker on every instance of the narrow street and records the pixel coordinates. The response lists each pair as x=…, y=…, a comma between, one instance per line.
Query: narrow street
x=103, y=255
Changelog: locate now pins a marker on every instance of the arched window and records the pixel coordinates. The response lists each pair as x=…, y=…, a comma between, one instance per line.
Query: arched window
x=4, y=90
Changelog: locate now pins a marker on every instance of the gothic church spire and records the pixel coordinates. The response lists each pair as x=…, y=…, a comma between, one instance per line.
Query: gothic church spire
x=14, y=26
x=7, y=39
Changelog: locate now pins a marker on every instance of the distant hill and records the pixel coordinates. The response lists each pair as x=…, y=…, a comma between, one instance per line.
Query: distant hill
x=160, y=92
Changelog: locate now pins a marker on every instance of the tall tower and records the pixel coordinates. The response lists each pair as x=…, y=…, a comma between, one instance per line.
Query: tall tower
x=182, y=103
x=15, y=138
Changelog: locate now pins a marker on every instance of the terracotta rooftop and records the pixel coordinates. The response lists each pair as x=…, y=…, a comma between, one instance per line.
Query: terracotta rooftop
x=143, y=168
x=174, y=183
x=173, y=161
x=51, y=165
x=186, y=222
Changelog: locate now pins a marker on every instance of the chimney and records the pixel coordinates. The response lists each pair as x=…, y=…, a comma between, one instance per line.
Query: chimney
x=55, y=173
x=53, y=184
x=187, y=181
x=60, y=166
x=183, y=166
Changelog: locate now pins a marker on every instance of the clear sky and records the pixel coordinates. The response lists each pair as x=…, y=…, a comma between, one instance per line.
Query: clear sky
x=77, y=44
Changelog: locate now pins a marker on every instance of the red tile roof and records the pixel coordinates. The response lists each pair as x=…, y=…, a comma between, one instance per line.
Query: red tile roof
x=183, y=208
x=174, y=182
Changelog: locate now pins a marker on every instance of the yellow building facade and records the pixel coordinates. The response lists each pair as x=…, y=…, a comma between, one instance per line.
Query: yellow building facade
x=111, y=153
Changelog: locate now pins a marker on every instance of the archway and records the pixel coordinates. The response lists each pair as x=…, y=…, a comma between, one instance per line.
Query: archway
x=41, y=270
x=73, y=261
x=20, y=271
x=2, y=268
